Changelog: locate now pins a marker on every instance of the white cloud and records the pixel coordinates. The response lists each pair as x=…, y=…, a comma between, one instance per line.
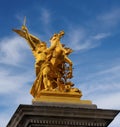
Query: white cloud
x=10, y=82
x=12, y=50
x=105, y=79
x=4, y=119
x=13, y=100
x=110, y=100
x=115, y=122
x=15, y=80
x=14, y=90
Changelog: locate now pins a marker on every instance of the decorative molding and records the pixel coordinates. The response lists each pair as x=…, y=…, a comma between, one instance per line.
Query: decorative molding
x=75, y=123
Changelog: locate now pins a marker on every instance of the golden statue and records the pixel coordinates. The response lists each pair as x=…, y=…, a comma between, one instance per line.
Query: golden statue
x=52, y=65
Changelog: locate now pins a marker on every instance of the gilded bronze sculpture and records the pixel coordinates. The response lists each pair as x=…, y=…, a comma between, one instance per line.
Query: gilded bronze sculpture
x=52, y=65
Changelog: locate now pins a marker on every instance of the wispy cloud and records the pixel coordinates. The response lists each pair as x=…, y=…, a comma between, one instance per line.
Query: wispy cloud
x=103, y=87
x=10, y=83
x=12, y=50
x=14, y=87
x=110, y=18
x=20, y=96
x=100, y=36
x=4, y=119
x=75, y=39
x=14, y=83
x=81, y=39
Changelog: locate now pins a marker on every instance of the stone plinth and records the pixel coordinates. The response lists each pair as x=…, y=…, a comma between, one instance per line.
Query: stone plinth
x=61, y=115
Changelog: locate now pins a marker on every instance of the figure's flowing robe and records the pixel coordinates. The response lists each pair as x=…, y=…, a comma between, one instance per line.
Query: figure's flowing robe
x=38, y=84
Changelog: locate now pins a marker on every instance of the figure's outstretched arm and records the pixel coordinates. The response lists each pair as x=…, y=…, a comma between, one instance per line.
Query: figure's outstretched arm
x=31, y=39
x=34, y=39
x=28, y=37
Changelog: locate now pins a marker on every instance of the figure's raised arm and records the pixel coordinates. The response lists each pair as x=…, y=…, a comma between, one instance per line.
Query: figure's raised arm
x=31, y=39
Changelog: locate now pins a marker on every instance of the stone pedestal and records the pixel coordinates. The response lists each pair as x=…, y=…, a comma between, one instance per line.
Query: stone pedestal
x=41, y=114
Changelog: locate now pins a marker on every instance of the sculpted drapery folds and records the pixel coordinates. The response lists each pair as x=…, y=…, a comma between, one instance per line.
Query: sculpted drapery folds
x=52, y=65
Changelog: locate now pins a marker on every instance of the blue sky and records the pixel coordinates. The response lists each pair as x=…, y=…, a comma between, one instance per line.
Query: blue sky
x=92, y=30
